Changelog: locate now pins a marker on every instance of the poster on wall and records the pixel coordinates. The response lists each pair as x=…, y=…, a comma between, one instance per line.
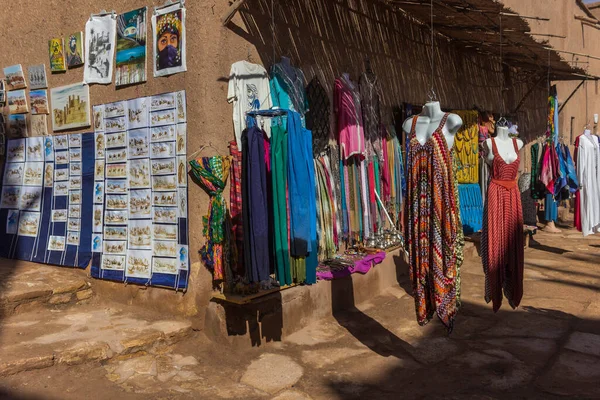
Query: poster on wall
x=168, y=30
x=56, y=52
x=39, y=101
x=131, y=47
x=75, y=50
x=99, y=49
x=17, y=102
x=14, y=77
x=37, y=76
x=70, y=106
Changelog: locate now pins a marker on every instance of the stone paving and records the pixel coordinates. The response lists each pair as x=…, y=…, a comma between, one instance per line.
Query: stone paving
x=548, y=348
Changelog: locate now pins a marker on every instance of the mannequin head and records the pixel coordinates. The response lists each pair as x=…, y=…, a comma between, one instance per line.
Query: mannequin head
x=285, y=60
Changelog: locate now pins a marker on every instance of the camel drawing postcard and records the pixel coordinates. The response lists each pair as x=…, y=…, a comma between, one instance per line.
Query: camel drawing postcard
x=13, y=174
x=116, y=202
x=74, y=211
x=139, y=264
x=164, y=199
x=61, y=188
x=181, y=139
x=29, y=223
x=74, y=140
x=182, y=202
x=75, y=155
x=116, y=186
x=99, y=144
x=139, y=146
x=163, y=166
x=98, y=218
x=115, y=247
x=162, y=101
x=116, y=124
x=73, y=238
x=140, y=204
x=165, y=133
x=181, y=171
x=116, y=109
x=75, y=182
x=165, y=232
x=164, y=215
x=75, y=168
x=11, y=196
x=15, y=79
x=162, y=265
x=115, y=232
x=38, y=99
x=138, y=113
x=116, y=156
x=61, y=157
x=74, y=196
x=164, y=183
x=114, y=140
x=31, y=198
x=99, y=192
x=99, y=170
x=181, y=107
x=112, y=262
x=56, y=243
x=164, y=117
x=115, y=217
x=163, y=248
x=34, y=174
x=98, y=112
x=17, y=102
x=162, y=150
x=140, y=234
x=61, y=142
x=139, y=174
x=116, y=171
x=49, y=175
x=39, y=126
x=59, y=216
x=35, y=149
x=15, y=150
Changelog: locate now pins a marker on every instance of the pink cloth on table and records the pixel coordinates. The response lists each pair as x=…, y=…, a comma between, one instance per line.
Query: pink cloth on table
x=361, y=266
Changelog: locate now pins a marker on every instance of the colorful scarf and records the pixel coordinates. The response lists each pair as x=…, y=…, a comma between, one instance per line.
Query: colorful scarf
x=211, y=174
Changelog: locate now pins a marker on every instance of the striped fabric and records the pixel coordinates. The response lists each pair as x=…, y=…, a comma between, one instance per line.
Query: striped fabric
x=235, y=209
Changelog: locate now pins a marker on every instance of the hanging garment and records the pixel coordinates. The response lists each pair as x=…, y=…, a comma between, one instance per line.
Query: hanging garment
x=317, y=116
x=502, y=233
x=212, y=173
x=538, y=190
x=588, y=154
x=287, y=88
x=432, y=224
x=577, y=216
x=527, y=202
x=370, y=107
x=279, y=159
x=550, y=168
x=471, y=207
x=248, y=91
x=466, y=144
x=460, y=236
x=255, y=212
x=571, y=173
x=235, y=209
x=350, y=133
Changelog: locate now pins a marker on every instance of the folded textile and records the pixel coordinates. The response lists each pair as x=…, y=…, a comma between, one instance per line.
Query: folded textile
x=326, y=272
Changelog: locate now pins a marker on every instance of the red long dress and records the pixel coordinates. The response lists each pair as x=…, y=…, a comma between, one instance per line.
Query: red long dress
x=502, y=235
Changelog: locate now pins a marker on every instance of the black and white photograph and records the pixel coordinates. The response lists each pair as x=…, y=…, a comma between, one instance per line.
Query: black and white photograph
x=100, y=37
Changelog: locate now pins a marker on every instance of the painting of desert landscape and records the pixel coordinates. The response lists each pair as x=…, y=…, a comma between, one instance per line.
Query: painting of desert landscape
x=70, y=107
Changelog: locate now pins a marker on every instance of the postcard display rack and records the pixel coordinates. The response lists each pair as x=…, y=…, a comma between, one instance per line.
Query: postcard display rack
x=47, y=182
x=140, y=214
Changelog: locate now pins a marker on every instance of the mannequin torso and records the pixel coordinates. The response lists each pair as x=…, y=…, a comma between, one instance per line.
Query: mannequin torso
x=505, y=146
x=429, y=120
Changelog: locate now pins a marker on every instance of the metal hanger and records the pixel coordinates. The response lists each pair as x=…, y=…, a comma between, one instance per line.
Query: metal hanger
x=169, y=3
x=191, y=157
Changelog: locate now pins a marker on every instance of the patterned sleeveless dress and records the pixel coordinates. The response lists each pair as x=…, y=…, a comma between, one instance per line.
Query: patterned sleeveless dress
x=432, y=227
x=502, y=234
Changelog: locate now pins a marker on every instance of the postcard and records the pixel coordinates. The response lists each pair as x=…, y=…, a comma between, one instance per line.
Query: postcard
x=74, y=196
x=165, y=265
x=99, y=192
x=75, y=182
x=98, y=118
x=115, y=246
x=37, y=76
x=61, y=188
x=181, y=171
x=164, y=199
x=35, y=149
x=116, y=124
x=12, y=222
x=165, y=133
x=15, y=79
x=113, y=217
x=162, y=150
x=181, y=139
x=116, y=186
x=184, y=261
x=165, y=232
x=140, y=234
x=139, y=146
x=116, y=109
x=98, y=218
x=181, y=106
x=138, y=113
x=39, y=127
x=116, y=140
x=116, y=170
x=61, y=157
x=61, y=142
x=31, y=198
x=164, y=117
x=11, y=196
x=56, y=52
x=131, y=47
x=163, y=248
x=165, y=215
x=75, y=50
x=74, y=140
x=163, y=166
x=162, y=101
x=49, y=175
x=34, y=174
x=116, y=156
x=48, y=148
x=139, y=173
x=116, y=201
x=38, y=99
x=15, y=150
x=75, y=154
x=115, y=232
x=139, y=264
x=74, y=211
x=70, y=106
x=97, y=243
x=73, y=224
x=99, y=170
x=29, y=223
x=114, y=263
x=17, y=102
x=75, y=168
x=17, y=125
x=164, y=183
x=182, y=202
x=99, y=144
x=140, y=204
x=58, y=216
x=73, y=238
x=13, y=174
x=56, y=243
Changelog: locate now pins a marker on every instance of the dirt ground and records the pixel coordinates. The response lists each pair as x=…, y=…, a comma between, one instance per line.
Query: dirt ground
x=548, y=348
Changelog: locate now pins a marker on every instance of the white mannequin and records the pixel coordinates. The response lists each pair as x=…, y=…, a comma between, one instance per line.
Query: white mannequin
x=346, y=77
x=505, y=146
x=429, y=120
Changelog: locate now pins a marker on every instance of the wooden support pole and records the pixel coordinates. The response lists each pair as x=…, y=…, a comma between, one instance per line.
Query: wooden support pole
x=531, y=89
x=570, y=52
x=231, y=11
x=547, y=35
x=570, y=96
